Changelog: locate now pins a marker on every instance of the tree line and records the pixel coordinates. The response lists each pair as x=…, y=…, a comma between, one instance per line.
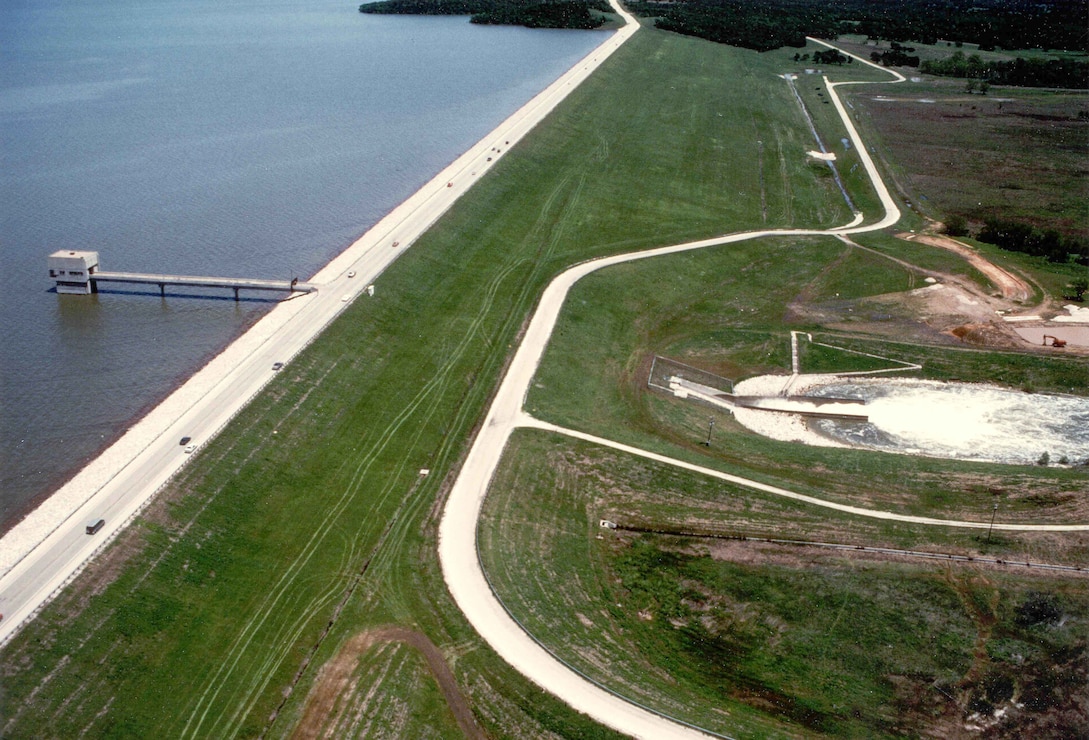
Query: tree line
x=1016, y=236
x=770, y=24
x=993, y=24
x=896, y=56
x=531, y=13
x=760, y=26
x=1068, y=73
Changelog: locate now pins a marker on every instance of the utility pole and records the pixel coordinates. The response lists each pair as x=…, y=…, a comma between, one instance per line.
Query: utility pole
x=710, y=429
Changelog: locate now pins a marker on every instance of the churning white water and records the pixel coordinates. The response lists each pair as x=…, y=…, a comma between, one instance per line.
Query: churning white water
x=961, y=421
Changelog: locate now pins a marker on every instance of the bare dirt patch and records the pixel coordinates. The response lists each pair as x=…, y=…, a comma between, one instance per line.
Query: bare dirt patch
x=753, y=552
x=957, y=307
x=954, y=306
x=947, y=307
x=335, y=677
x=1011, y=287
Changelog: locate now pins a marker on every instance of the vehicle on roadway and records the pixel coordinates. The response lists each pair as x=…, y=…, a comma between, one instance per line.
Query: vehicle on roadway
x=94, y=525
x=277, y=365
x=190, y=449
x=185, y=440
x=351, y=273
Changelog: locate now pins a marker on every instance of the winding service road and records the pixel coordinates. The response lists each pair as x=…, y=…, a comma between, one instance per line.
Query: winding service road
x=457, y=531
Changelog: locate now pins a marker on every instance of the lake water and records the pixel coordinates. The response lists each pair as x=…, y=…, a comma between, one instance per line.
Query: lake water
x=234, y=138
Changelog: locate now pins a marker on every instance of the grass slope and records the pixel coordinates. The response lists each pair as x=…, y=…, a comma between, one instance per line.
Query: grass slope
x=307, y=520
x=728, y=310
x=757, y=640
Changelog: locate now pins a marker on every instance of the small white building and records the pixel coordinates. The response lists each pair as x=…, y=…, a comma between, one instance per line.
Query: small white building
x=72, y=271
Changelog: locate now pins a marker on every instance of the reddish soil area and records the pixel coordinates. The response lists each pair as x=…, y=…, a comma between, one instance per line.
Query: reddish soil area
x=336, y=675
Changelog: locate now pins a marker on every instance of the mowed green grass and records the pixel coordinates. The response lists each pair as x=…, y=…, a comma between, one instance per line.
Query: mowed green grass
x=728, y=310
x=753, y=640
x=307, y=520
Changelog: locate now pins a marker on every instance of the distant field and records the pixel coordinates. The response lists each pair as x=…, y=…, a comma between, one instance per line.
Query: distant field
x=1015, y=153
x=308, y=522
x=857, y=44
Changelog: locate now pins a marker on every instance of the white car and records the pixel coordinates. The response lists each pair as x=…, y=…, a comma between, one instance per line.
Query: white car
x=351, y=273
x=189, y=449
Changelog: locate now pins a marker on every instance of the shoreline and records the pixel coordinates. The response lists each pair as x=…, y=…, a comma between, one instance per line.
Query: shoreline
x=400, y=227
x=60, y=480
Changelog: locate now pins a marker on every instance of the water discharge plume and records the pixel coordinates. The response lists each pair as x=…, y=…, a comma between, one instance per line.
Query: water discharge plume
x=962, y=421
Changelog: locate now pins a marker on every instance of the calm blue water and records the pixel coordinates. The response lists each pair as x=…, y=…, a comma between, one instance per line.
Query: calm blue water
x=234, y=137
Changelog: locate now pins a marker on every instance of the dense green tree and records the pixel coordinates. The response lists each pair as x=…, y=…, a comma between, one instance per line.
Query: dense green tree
x=1069, y=73
x=1021, y=237
x=956, y=225
x=1010, y=24
x=532, y=13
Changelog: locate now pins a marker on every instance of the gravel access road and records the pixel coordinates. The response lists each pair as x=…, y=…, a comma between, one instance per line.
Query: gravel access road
x=457, y=530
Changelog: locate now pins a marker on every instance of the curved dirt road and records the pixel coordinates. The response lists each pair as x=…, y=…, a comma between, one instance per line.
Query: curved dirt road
x=1012, y=287
x=320, y=716
x=457, y=531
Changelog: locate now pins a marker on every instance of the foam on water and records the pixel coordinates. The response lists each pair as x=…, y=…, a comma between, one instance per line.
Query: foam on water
x=962, y=421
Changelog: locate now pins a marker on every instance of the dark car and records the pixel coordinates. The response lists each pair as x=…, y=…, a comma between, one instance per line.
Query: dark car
x=185, y=440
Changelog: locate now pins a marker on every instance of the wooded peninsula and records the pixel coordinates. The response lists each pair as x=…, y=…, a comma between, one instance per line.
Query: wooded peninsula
x=991, y=24
x=578, y=14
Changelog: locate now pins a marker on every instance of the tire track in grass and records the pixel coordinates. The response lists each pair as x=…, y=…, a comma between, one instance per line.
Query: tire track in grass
x=268, y=668
x=403, y=518
x=404, y=515
x=105, y=659
x=557, y=225
x=273, y=600
x=356, y=579
x=290, y=574
x=270, y=665
x=288, y=634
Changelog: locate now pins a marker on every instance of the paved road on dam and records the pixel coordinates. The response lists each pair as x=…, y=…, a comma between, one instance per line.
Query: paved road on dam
x=50, y=547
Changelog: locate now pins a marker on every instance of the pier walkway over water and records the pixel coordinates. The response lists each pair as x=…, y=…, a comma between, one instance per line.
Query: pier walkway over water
x=77, y=273
x=290, y=286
